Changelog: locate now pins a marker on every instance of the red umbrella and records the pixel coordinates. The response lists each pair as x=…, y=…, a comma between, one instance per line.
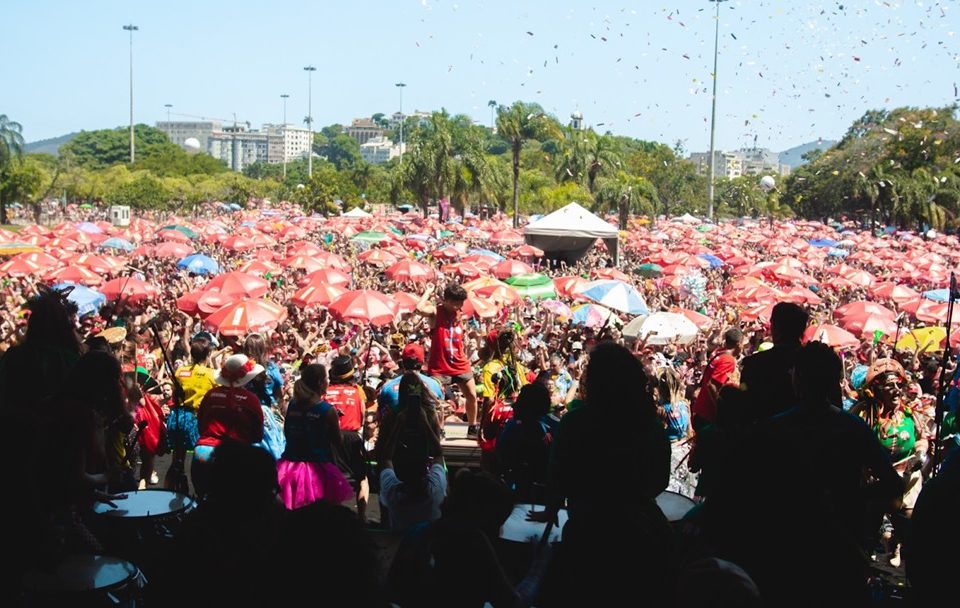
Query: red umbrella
x=202, y=302
x=447, y=253
x=610, y=273
x=260, y=267
x=133, y=289
x=760, y=313
x=509, y=268
x=317, y=294
x=701, y=321
x=526, y=251
x=861, y=309
x=172, y=250
x=860, y=278
x=24, y=264
x=464, y=269
x=238, y=243
x=246, y=317
x=332, y=260
x=479, y=307
x=802, y=295
x=96, y=263
x=506, y=237
x=499, y=294
x=410, y=270
x=893, y=291
x=63, y=243
x=406, y=302
x=329, y=276
x=481, y=261
x=302, y=262
x=867, y=325
x=831, y=335
x=145, y=251
x=74, y=274
x=377, y=257
x=569, y=286
x=173, y=235
x=239, y=285
x=364, y=306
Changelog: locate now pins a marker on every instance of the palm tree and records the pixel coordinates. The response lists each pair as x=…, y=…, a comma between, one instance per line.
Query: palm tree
x=11, y=149
x=492, y=104
x=586, y=156
x=626, y=194
x=517, y=124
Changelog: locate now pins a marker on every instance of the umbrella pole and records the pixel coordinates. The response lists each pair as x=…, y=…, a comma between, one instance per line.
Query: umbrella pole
x=896, y=337
x=942, y=388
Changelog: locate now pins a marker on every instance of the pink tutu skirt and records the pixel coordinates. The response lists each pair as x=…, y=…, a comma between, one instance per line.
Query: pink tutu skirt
x=303, y=483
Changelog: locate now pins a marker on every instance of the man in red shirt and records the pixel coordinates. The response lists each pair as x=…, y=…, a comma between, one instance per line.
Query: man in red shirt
x=448, y=362
x=228, y=412
x=349, y=400
x=720, y=371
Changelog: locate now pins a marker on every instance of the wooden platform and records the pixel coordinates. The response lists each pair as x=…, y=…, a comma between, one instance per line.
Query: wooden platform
x=459, y=451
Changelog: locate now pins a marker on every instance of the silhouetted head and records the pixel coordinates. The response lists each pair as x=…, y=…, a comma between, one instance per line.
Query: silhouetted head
x=788, y=321
x=817, y=374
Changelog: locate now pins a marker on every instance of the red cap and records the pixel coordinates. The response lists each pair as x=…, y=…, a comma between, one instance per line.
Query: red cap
x=413, y=352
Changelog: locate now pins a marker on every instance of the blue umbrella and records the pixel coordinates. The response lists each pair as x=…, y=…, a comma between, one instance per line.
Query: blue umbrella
x=937, y=295
x=488, y=253
x=823, y=242
x=88, y=300
x=715, y=262
x=199, y=264
x=117, y=243
x=837, y=253
x=616, y=295
x=233, y=207
x=89, y=228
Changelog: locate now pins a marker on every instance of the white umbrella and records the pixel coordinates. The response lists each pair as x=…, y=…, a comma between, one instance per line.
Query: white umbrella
x=667, y=328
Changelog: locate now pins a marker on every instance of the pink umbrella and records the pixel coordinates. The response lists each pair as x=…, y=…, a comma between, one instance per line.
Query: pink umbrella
x=173, y=235
x=246, y=317
x=464, y=269
x=410, y=270
x=301, y=262
x=557, y=307
x=893, y=291
x=447, y=253
x=332, y=260
x=364, y=306
x=238, y=243
x=831, y=335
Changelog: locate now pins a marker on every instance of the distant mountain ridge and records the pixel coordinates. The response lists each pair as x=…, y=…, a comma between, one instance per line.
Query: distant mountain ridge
x=49, y=146
x=794, y=156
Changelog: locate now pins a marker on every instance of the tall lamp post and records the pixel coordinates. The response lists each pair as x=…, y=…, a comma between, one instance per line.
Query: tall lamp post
x=713, y=110
x=131, y=28
x=168, y=106
x=284, y=97
x=310, y=70
x=401, y=85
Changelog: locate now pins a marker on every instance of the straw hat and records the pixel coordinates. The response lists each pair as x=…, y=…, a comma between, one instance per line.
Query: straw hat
x=114, y=335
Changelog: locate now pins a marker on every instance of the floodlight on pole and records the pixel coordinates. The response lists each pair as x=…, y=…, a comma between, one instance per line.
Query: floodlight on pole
x=310, y=70
x=401, y=85
x=713, y=111
x=131, y=28
x=284, y=97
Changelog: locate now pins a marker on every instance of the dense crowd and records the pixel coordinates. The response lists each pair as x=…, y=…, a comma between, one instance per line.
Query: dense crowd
x=787, y=390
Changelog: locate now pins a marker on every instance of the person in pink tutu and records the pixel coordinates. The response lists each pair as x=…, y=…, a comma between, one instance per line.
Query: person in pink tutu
x=306, y=470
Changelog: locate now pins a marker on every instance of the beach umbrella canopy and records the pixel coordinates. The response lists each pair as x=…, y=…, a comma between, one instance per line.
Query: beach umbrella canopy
x=330, y=276
x=199, y=264
x=616, y=295
x=609, y=273
x=650, y=270
x=558, y=308
x=867, y=326
x=364, y=306
x=506, y=237
x=74, y=274
x=406, y=302
x=260, y=268
x=509, y=268
x=301, y=262
x=15, y=247
x=24, y=264
x=700, y=320
x=860, y=310
x=88, y=301
x=246, y=317
x=317, y=294
x=526, y=251
x=238, y=243
x=570, y=287
x=96, y=263
x=895, y=292
x=499, y=294
x=410, y=270
x=239, y=285
x=535, y=286
x=481, y=308
x=667, y=328
x=187, y=232
x=923, y=339
x=464, y=269
x=831, y=335
x=486, y=253
x=937, y=295
x=592, y=315
x=377, y=257
x=130, y=289
x=173, y=236
x=304, y=248
x=203, y=302
x=370, y=236
x=172, y=250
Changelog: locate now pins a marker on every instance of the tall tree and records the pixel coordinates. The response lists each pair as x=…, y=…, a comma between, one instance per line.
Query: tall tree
x=517, y=124
x=11, y=151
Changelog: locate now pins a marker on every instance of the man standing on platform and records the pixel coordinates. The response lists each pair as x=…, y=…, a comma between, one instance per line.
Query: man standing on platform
x=448, y=361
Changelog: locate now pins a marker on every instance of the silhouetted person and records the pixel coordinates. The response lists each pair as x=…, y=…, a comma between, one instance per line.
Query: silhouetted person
x=765, y=376
x=930, y=553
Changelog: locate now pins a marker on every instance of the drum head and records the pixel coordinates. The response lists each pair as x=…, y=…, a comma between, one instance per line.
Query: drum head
x=78, y=573
x=674, y=506
x=518, y=529
x=146, y=504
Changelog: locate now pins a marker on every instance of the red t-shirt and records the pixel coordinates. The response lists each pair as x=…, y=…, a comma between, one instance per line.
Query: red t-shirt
x=718, y=371
x=230, y=413
x=447, y=357
x=348, y=399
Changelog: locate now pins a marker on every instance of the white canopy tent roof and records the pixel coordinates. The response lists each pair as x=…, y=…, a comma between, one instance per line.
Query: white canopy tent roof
x=357, y=213
x=569, y=232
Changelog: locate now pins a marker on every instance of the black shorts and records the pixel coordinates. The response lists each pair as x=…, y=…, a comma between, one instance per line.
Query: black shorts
x=458, y=379
x=351, y=460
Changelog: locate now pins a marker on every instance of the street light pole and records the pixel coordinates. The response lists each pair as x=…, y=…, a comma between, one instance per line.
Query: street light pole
x=310, y=70
x=131, y=28
x=713, y=111
x=400, y=86
x=168, y=106
x=284, y=97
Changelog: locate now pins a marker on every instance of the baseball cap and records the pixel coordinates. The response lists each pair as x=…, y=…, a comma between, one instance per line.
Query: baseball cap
x=577, y=346
x=413, y=353
x=206, y=336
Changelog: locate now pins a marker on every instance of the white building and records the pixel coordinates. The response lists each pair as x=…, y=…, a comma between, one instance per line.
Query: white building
x=746, y=161
x=239, y=146
x=422, y=117
x=295, y=142
x=379, y=150
x=180, y=131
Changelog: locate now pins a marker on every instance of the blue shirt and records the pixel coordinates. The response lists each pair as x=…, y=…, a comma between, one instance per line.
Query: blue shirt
x=389, y=396
x=307, y=433
x=678, y=419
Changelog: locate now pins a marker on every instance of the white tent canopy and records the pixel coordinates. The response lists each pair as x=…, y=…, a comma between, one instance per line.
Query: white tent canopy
x=567, y=233
x=357, y=213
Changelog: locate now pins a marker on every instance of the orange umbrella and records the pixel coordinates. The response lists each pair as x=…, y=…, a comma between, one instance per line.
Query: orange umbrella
x=410, y=270
x=329, y=276
x=239, y=285
x=364, y=306
x=246, y=317
x=317, y=294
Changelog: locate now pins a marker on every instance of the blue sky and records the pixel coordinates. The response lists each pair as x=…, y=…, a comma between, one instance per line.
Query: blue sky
x=789, y=72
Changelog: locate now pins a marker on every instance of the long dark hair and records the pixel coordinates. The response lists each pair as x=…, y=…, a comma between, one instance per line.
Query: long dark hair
x=616, y=381
x=52, y=321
